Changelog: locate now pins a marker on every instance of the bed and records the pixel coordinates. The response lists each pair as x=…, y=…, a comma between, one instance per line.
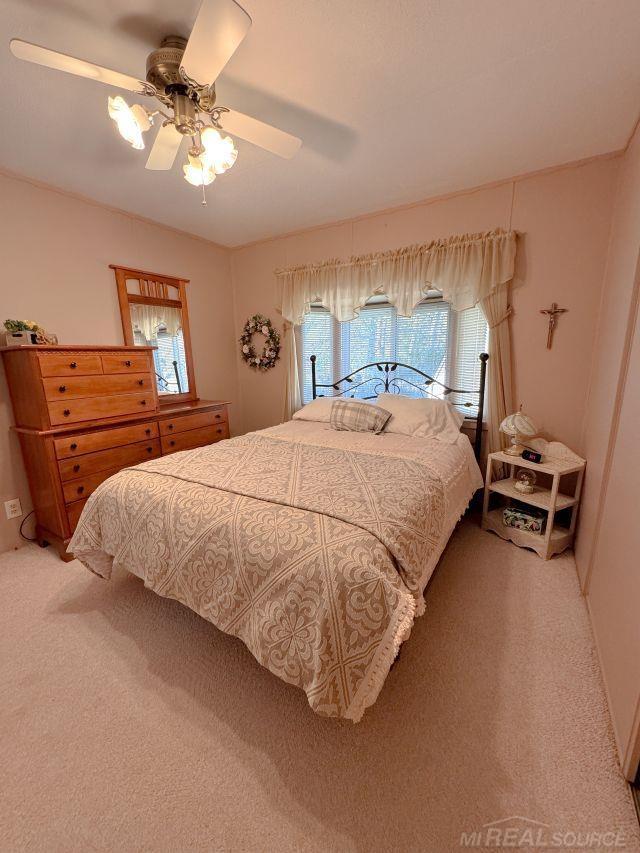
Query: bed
x=312, y=545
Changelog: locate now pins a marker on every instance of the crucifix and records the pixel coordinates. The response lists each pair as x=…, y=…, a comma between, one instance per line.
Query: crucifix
x=551, y=313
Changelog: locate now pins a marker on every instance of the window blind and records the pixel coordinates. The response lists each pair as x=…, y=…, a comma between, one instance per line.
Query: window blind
x=319, y=339
x=471, y=338
x=423, y=342
x=371, y=336
x=169, y=348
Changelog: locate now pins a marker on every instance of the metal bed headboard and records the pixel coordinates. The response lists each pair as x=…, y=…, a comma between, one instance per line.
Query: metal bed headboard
x=393, y=383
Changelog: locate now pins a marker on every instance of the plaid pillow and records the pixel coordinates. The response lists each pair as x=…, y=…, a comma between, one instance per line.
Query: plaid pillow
x=358, y=417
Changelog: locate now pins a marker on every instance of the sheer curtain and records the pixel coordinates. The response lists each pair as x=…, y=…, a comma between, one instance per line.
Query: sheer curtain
x=467, y=270
x=147, y=318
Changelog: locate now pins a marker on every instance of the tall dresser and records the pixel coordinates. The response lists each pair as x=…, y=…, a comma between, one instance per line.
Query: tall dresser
x=84, y=412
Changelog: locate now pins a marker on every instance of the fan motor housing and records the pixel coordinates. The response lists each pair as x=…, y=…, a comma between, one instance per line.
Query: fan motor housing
x=163, y=64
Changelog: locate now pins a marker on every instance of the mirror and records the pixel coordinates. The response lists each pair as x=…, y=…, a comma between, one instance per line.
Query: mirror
x=153, y=309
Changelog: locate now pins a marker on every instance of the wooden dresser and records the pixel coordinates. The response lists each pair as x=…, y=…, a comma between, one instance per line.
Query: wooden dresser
x=84, y=412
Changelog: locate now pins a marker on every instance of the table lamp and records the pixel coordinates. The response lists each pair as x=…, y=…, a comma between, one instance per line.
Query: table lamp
x=515, y=425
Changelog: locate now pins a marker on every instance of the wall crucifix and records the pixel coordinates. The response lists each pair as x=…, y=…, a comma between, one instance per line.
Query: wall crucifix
x=551, y=313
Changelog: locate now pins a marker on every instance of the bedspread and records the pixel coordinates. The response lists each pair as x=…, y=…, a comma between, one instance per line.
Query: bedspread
x=314, y=555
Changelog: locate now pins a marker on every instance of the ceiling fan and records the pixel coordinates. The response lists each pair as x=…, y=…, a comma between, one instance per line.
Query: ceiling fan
x=181, y=75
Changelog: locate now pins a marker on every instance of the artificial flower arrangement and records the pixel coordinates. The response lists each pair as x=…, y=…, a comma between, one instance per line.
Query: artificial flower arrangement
x=27, y=331
x=271, y=350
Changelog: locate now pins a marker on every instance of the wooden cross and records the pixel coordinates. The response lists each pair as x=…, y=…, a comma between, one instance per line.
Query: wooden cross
x=551, y=313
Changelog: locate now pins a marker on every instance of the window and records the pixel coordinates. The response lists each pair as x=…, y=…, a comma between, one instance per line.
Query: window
x=169, y=360
x=443, y=343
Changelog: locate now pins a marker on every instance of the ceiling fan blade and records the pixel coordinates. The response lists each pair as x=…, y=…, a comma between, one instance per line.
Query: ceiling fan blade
x=61, y=62
x=261, y=134
x=165, y=148
x=219, y=28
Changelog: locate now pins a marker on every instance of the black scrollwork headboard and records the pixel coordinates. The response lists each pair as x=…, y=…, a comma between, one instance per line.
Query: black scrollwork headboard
x=397, y=377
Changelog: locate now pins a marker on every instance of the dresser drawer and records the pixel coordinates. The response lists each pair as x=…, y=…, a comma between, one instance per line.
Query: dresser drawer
x=92, y=386
x=194, y=438
x=75, y=445
x=74, y=511
x=126, y=362
x=92, y=408
x=75, y=490
x=69, y=364
x=185, y=422
x=130, y=454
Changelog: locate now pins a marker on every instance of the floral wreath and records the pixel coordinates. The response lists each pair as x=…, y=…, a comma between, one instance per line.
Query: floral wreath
x=271, y=350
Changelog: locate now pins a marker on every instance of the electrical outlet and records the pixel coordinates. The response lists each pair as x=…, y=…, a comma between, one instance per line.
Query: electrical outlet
x=13, y=508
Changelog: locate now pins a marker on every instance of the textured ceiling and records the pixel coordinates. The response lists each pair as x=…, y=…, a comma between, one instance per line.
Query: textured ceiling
x=395, y=100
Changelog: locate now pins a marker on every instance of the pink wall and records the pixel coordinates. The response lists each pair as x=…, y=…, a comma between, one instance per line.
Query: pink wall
x=608, y=544
x=564, y=216
x=56, y=252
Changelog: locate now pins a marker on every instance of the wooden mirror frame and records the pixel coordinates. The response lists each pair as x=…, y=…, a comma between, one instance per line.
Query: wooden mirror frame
x=154, y=290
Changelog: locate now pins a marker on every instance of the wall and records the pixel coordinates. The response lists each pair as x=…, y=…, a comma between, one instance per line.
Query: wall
x=608, y=544
x=564, y=216
x=56, y=252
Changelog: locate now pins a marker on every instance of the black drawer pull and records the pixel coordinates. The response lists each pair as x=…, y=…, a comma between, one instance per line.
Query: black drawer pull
x=80, y=489
x=147, y=432
x=76, y=468
x=149, y=449
x=66, y=413
x=74, y=446
x=140, y=381
x=62, y=389
x=143, y=402
x=73, y=365
x=127, y=363
x=219, y=431
x=169, y=426
x=171, y=443
x=218, y=417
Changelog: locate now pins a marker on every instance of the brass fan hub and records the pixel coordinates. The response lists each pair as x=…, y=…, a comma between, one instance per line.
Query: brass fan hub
x=163, y=64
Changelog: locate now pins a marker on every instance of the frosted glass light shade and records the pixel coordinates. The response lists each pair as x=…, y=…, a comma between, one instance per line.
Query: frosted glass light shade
x=132, y=121
x=197, y=173
x=219, y=152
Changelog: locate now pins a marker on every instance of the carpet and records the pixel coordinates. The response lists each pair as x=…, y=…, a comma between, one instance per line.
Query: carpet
x=130, y=724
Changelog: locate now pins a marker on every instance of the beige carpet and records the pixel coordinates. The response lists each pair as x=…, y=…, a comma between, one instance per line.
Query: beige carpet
x=130, y=724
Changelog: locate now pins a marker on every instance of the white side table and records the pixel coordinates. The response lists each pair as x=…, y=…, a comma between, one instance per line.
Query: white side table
x=555, y=538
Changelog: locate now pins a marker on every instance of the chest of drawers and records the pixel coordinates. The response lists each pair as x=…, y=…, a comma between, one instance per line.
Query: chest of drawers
x=84, y=413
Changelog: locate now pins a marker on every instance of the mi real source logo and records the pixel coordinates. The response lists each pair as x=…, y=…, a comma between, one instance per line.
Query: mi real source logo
x=525, y=833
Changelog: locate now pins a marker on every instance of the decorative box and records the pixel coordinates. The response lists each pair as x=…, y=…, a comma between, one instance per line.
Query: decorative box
x=524, y=519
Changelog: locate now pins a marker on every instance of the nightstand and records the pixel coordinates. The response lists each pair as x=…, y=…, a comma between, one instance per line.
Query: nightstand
x=555, y=537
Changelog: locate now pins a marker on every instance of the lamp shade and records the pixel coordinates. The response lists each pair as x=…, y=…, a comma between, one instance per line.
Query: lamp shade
x=518, y=424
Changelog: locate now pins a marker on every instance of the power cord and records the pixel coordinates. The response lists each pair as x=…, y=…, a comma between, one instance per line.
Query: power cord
x=28, y=538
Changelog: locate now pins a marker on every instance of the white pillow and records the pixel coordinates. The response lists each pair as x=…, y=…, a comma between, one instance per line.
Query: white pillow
x=422, y=416
x=317, y=410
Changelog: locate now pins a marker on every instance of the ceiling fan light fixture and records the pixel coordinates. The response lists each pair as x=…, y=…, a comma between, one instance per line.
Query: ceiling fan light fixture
x=198, y=173
x=220, y=153
x=131, y=122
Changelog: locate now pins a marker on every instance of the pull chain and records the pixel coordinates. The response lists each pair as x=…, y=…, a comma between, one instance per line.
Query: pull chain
x=204, y=195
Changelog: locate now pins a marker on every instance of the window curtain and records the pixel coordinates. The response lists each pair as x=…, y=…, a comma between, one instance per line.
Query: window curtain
x=467, y=270
x=147, y=318
x=292, y=396
x=497, y=310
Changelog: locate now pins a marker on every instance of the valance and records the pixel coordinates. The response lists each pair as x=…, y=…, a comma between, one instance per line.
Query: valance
x=465, y=269
x=147, y=319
